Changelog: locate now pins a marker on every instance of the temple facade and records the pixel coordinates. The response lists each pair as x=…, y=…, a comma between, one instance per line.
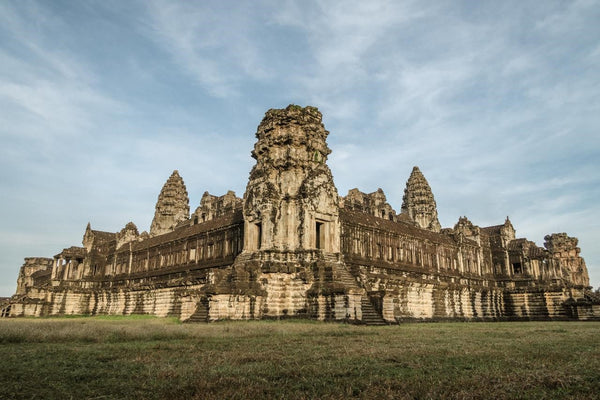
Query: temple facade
x=292, y=247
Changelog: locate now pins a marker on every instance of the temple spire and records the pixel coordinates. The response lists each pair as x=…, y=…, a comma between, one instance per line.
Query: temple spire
x=291, y=201
x=172, y=207
x=418, y=202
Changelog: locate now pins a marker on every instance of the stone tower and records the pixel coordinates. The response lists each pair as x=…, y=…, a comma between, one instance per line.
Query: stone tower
x=291, y=202
x=418, y=202
x=172, y=207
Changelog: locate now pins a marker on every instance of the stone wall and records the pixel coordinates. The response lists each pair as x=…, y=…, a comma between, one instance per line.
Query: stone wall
x=280, y=295
x=407, y=296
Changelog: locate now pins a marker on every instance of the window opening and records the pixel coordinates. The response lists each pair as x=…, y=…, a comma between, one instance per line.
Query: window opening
x=319, y=235
x=517, y=268
x=258, y=235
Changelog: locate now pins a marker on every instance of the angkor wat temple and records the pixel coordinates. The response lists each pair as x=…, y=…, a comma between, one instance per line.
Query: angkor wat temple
x=292, y=247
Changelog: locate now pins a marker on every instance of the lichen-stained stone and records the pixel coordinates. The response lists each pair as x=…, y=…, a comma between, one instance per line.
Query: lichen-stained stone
x=372, y=203
x=35, y=271
x=291, y=202
x=564, y=249
x=172, y=207
x=212, y=207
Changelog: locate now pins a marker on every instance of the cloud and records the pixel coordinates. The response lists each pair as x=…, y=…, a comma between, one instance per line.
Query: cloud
x=46, y=92
x=213, y=46
x=339, y=39
x=496, y=102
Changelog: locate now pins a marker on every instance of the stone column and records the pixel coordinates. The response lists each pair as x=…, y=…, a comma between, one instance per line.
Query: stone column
x=55, y=268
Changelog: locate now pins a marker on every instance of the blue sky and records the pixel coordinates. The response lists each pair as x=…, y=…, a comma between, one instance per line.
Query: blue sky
x=498, y=103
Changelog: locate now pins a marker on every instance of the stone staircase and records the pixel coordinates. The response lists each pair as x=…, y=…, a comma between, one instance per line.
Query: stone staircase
x=369, y=315
x=345, y=277
x=331, y=257
x=201, y=314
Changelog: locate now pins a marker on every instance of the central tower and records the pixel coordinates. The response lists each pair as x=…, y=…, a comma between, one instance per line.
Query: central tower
x=291, y=203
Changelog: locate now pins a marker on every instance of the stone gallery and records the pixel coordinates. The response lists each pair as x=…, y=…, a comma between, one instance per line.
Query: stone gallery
x=293, y=248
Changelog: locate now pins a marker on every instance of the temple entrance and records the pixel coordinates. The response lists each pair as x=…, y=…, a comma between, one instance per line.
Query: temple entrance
x=320, y=235
x=258, y=235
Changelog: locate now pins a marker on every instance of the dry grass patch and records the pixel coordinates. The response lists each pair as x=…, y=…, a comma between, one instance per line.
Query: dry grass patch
x=154, y=358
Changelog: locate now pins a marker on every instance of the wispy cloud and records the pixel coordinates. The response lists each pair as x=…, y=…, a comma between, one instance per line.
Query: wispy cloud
x=213, y=43
x=342, y=38
x=497, y=102
x=46, y=92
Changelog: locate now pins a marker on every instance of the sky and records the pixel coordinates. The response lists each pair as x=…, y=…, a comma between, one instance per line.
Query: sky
x=497, y=102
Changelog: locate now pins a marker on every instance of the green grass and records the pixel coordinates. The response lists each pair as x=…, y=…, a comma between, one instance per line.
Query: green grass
x=153, y=358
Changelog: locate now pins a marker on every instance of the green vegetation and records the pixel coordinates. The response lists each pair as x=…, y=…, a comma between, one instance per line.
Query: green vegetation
x=153, y=358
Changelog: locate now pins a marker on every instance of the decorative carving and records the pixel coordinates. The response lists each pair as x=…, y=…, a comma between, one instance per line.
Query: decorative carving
x=290, y=195
x=172, y=207
x=127, y=235
x=418, y=202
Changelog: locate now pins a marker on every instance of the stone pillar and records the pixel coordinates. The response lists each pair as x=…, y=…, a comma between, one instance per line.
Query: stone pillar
x=55, y=268
x=67, y=268
x=130, y=259
x=507, y=265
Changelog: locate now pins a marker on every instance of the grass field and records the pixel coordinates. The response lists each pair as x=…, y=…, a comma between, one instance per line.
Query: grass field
x=152, y=358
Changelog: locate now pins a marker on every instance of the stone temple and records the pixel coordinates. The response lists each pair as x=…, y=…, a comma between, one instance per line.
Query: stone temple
x=293, y=248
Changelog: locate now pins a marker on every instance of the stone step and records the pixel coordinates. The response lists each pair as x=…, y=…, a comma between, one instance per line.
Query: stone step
x=346, y=277
x=369, y=315
x=334, y=258
x=201, y=314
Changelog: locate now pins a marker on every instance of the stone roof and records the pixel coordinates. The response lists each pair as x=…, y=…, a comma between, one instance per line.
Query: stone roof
x=105, y=236
x=526, y=247
x=517, y=244
x=403, y=217
x=401, y=227
x=185, y=231
x=492, y=230
x=72, y=252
